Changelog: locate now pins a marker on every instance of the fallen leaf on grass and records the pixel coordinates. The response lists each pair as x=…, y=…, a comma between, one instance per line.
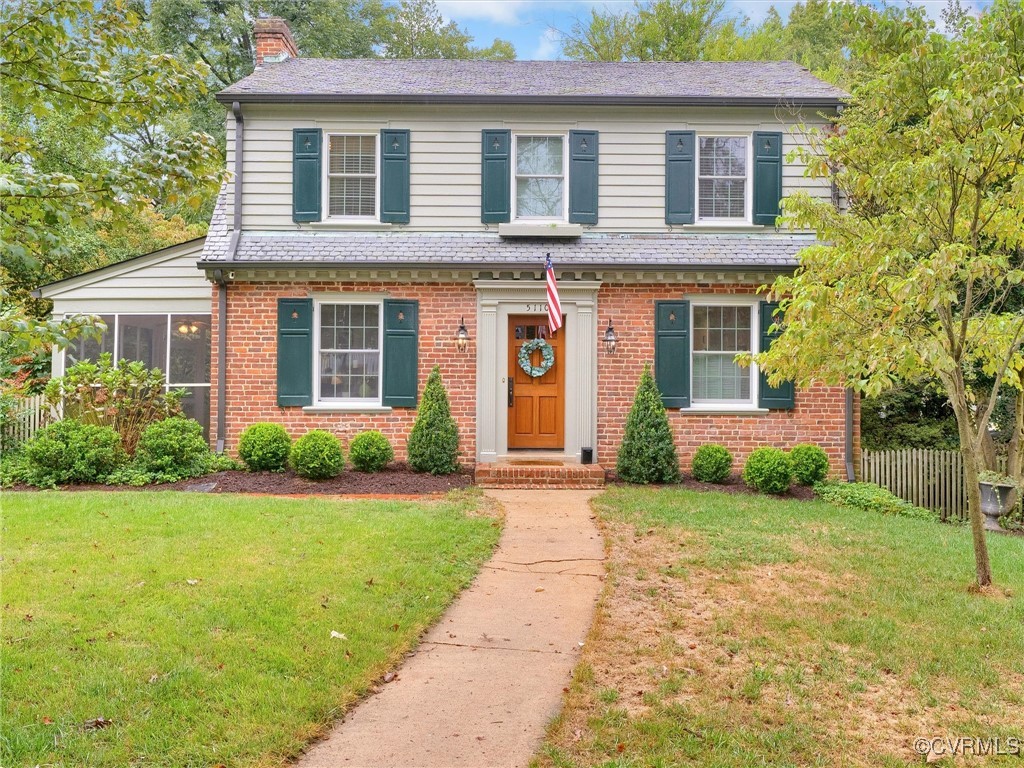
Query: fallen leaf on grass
x=47, y=721
x=390, y=676
x=153, y=678
x=96, y=724
x=338, y=635
x=620, y=747
x=191, y=582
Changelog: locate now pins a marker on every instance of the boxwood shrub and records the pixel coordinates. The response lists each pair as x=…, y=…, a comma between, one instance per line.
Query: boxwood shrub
x=264, y=447
x=712, y=464
x=317, y=455
x=370, y=451
x=768, y=470
x=71, y=452
x=173, y=448
x=810, y=463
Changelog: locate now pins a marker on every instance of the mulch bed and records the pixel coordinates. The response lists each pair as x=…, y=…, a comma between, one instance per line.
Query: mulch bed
x=396, y=479
x=735, y=484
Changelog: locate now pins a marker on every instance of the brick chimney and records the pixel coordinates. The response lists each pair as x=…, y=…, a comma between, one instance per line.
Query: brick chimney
x=274, y=41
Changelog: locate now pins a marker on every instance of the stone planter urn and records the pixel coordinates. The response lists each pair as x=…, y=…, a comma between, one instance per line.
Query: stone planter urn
x=995, y=502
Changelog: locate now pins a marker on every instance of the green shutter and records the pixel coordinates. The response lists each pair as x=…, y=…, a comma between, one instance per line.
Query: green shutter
x=767, y=177
x=496, y=177
x=583, y=177
x=307, y=178
x=294, y=352
x=394, y=176
x=401, y=355
x=680, y=177
x=782, y=396
x=672, y=352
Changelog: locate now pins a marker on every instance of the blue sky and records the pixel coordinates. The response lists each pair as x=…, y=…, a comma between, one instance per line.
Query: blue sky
x=533, y=25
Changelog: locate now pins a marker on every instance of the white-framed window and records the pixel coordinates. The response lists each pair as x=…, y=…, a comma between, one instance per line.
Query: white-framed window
x=723, y=178
x=177, y=343
x=349, y=340
x=721, y=330
x=539, y=188
x=351, y=180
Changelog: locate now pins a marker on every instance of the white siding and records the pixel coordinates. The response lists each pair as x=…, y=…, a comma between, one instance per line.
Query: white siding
x=165, y=281
x=445, y=156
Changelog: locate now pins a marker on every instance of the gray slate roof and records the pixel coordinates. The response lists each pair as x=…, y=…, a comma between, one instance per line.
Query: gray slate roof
x=562, y=82
x=487, y=249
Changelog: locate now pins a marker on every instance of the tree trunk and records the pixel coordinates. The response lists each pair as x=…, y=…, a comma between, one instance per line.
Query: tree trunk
x=970, y=448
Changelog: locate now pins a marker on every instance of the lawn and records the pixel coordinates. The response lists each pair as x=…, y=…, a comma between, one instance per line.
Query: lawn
x=749, y=631
x=203, y=627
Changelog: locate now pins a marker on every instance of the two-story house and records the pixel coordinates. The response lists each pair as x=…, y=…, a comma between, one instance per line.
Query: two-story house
x=385, y=217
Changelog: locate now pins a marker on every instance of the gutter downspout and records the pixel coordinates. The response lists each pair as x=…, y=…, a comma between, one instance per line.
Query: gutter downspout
x=221, y=279
x=851, y=474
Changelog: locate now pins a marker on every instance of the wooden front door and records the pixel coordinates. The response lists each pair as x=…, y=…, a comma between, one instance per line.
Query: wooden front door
x=536, y=405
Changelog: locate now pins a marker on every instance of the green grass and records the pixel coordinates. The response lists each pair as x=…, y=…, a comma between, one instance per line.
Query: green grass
x=790, y=633
x=200, y=625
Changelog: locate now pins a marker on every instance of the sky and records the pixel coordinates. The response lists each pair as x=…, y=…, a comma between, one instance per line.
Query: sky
x=533, y=26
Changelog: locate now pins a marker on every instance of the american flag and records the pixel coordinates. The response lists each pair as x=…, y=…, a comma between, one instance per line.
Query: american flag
x=554, y=305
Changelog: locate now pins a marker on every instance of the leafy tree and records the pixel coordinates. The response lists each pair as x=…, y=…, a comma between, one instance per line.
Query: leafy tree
x=418, y=31
x=911, y=414
x=604, y=37
x=648, y=451
x=918, y=276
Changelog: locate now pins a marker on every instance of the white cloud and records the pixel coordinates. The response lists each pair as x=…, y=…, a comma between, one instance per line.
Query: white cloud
x=497, y=11
x=549, y=46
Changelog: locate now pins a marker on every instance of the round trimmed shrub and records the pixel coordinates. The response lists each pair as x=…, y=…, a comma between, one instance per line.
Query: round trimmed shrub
x=712, y=464
x=370, y=451
x=264, y=447
x=810, y=463
x=174, y=446
x=317, y=455
x=768, y=470
x=71, y=452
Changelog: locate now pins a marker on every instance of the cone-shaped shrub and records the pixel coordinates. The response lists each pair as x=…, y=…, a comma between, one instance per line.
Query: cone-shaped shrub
x=434, y=441
x=647, y=453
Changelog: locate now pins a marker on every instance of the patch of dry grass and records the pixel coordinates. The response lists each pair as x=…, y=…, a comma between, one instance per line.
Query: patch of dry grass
x=760, y=632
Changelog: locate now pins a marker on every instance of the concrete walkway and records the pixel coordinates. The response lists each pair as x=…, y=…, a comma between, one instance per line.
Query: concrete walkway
x=489, y=677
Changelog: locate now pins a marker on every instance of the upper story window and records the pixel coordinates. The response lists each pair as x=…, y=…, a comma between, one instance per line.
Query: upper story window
x=540, y=177
x=720, y=332
x=722, y=177
x=352, y=176
x=349, y=352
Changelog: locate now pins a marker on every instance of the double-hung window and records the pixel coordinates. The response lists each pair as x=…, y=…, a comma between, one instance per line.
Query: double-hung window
x=720, y=332
x=722, y=178
x=540, y=189
x=352, y=176
x=349, y=359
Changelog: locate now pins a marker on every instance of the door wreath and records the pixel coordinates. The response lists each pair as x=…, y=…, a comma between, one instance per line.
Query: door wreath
x=547, y=358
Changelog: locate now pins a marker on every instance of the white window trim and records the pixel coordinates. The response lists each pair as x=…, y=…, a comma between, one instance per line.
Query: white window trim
x=347, y=403
x=747, y=187
x=565, y=177
x=730, y=406
x=326, y=182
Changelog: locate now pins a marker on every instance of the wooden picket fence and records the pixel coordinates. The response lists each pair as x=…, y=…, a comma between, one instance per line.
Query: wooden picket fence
x=28, y=416
x=932, y=479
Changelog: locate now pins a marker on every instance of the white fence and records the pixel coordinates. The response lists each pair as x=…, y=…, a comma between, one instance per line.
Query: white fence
x=928, y=478
x=28, y=416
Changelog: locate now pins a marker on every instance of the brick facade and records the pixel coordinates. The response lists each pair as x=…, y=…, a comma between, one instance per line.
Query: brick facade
x=819, y=415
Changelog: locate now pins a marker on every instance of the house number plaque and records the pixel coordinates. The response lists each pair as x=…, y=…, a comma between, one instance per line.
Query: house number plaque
x=537, y=307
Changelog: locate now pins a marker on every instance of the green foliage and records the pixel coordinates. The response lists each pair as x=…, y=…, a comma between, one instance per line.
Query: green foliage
x=264, y=447
x=317, y=455
x=14, y=467
x=712, y=464
x=370, y=451
x=434, y=440
x=174, y=446
x=870, y=498
x=647, y=453
x=810, y=463
x=128, y=398
x=69, y=451
x=910, y=415
x=768, y=470
x=417, y=30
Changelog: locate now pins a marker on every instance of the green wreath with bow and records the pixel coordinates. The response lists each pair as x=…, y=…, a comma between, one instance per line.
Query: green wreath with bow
x=547, y=358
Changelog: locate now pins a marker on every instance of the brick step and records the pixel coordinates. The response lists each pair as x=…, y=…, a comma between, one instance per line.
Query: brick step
x=576, y=476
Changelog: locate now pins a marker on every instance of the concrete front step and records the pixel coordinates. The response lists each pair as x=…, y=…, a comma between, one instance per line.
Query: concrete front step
x=539, y=475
